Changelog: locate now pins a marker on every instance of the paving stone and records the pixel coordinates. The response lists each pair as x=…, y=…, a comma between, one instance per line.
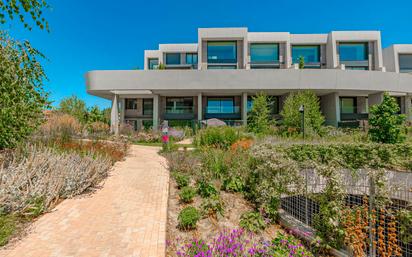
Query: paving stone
x=126, y=217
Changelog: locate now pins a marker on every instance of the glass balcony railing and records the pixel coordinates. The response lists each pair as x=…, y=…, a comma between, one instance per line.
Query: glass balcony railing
x=223, y=109
x=179, y=109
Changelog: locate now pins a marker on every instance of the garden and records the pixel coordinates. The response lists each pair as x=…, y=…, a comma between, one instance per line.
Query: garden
x=66, y=153
x=262, y=190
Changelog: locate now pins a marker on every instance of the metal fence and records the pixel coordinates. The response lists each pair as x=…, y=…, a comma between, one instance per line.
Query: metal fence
x=385, y=230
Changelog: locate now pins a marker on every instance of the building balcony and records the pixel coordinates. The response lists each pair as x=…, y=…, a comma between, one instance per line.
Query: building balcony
x=223, y=112
x=265, y=65
x=179, y=113
x=353, y=116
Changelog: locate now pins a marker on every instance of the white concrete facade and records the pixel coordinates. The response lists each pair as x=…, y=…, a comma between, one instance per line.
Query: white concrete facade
x=192, y=91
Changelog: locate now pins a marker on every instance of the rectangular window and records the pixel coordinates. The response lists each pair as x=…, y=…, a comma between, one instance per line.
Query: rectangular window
x=405, y=63
x=153, y=63
x=222, y=52
x=348, y=105
x=353, y=51
x=179, y=105
x=273, y=104
x=147, y=106
x=191, y=59
x=221, y=105
x=172, y=58
x=131, y=104
x=264, y=53
x=311, y=54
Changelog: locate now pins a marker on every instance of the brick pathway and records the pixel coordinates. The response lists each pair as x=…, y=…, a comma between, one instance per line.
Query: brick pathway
x=127, y=217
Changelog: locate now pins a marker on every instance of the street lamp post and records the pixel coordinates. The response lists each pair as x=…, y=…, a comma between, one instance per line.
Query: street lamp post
x=302, y=111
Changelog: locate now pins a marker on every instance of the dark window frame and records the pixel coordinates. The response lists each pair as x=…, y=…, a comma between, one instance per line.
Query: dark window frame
x=407, y=69
x=144, y=110
x=183, y=97
x=210, y=61
x=175, y=54
x=366, y=51
x=128, y=105
x=355, y=104
x=152, y=59
x=220, y=99
x=297, y=60
x=265, y=43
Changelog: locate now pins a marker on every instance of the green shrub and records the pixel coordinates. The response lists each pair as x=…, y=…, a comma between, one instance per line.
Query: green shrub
x=405, y=225
x=233, y=184
x=386, y=125
x=215, y=162
x=23, y=98
x=188, y=217
x=35, y=207
x=292, y=118
x=187, y=194
x=259, y=116
x=221, y=137
x=206, y=189
x=212, y=206
x=346, y=155
x=252, y=221
x=182, y=180
x=8, y=226
x=270, y=209
x=282, y=244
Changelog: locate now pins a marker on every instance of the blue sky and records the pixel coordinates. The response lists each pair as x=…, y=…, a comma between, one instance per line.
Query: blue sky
x=105, y=34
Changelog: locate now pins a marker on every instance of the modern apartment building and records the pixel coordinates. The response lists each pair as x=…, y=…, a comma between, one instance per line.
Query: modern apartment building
x=217, y=76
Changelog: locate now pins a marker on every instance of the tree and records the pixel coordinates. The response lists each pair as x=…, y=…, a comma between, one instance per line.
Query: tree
x=23, y=9
x=258, y=118
x=22, y=97
x=301, y=62
x=385, y=122
x=75, y=107
x=161, y=66
x=313, y=116
x=95, y=114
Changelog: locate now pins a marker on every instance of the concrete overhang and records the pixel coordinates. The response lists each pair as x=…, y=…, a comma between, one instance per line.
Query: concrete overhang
x=104, y=83
x=177, y=48
x=315, y=39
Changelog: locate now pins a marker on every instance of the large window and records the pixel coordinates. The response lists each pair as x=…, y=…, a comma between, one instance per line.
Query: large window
x=221, y=52
x=147, y=106
x=191, y=58
x=353, y=51
x=311, y=54
x=131, y=104
x=178, y=105
x=348, y=105
x=405, y=63
x=153, y=63
x=264, y=53
x=172, y=58
x=221, y=105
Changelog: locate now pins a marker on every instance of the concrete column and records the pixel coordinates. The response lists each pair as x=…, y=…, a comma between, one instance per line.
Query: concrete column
x=408, y=107
x=376, y=98
x=244, y=108
x=122, y=109
x=361, y=104
x=199, y=107
x=114, y=117
x=330, y=107
x=155, y=112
